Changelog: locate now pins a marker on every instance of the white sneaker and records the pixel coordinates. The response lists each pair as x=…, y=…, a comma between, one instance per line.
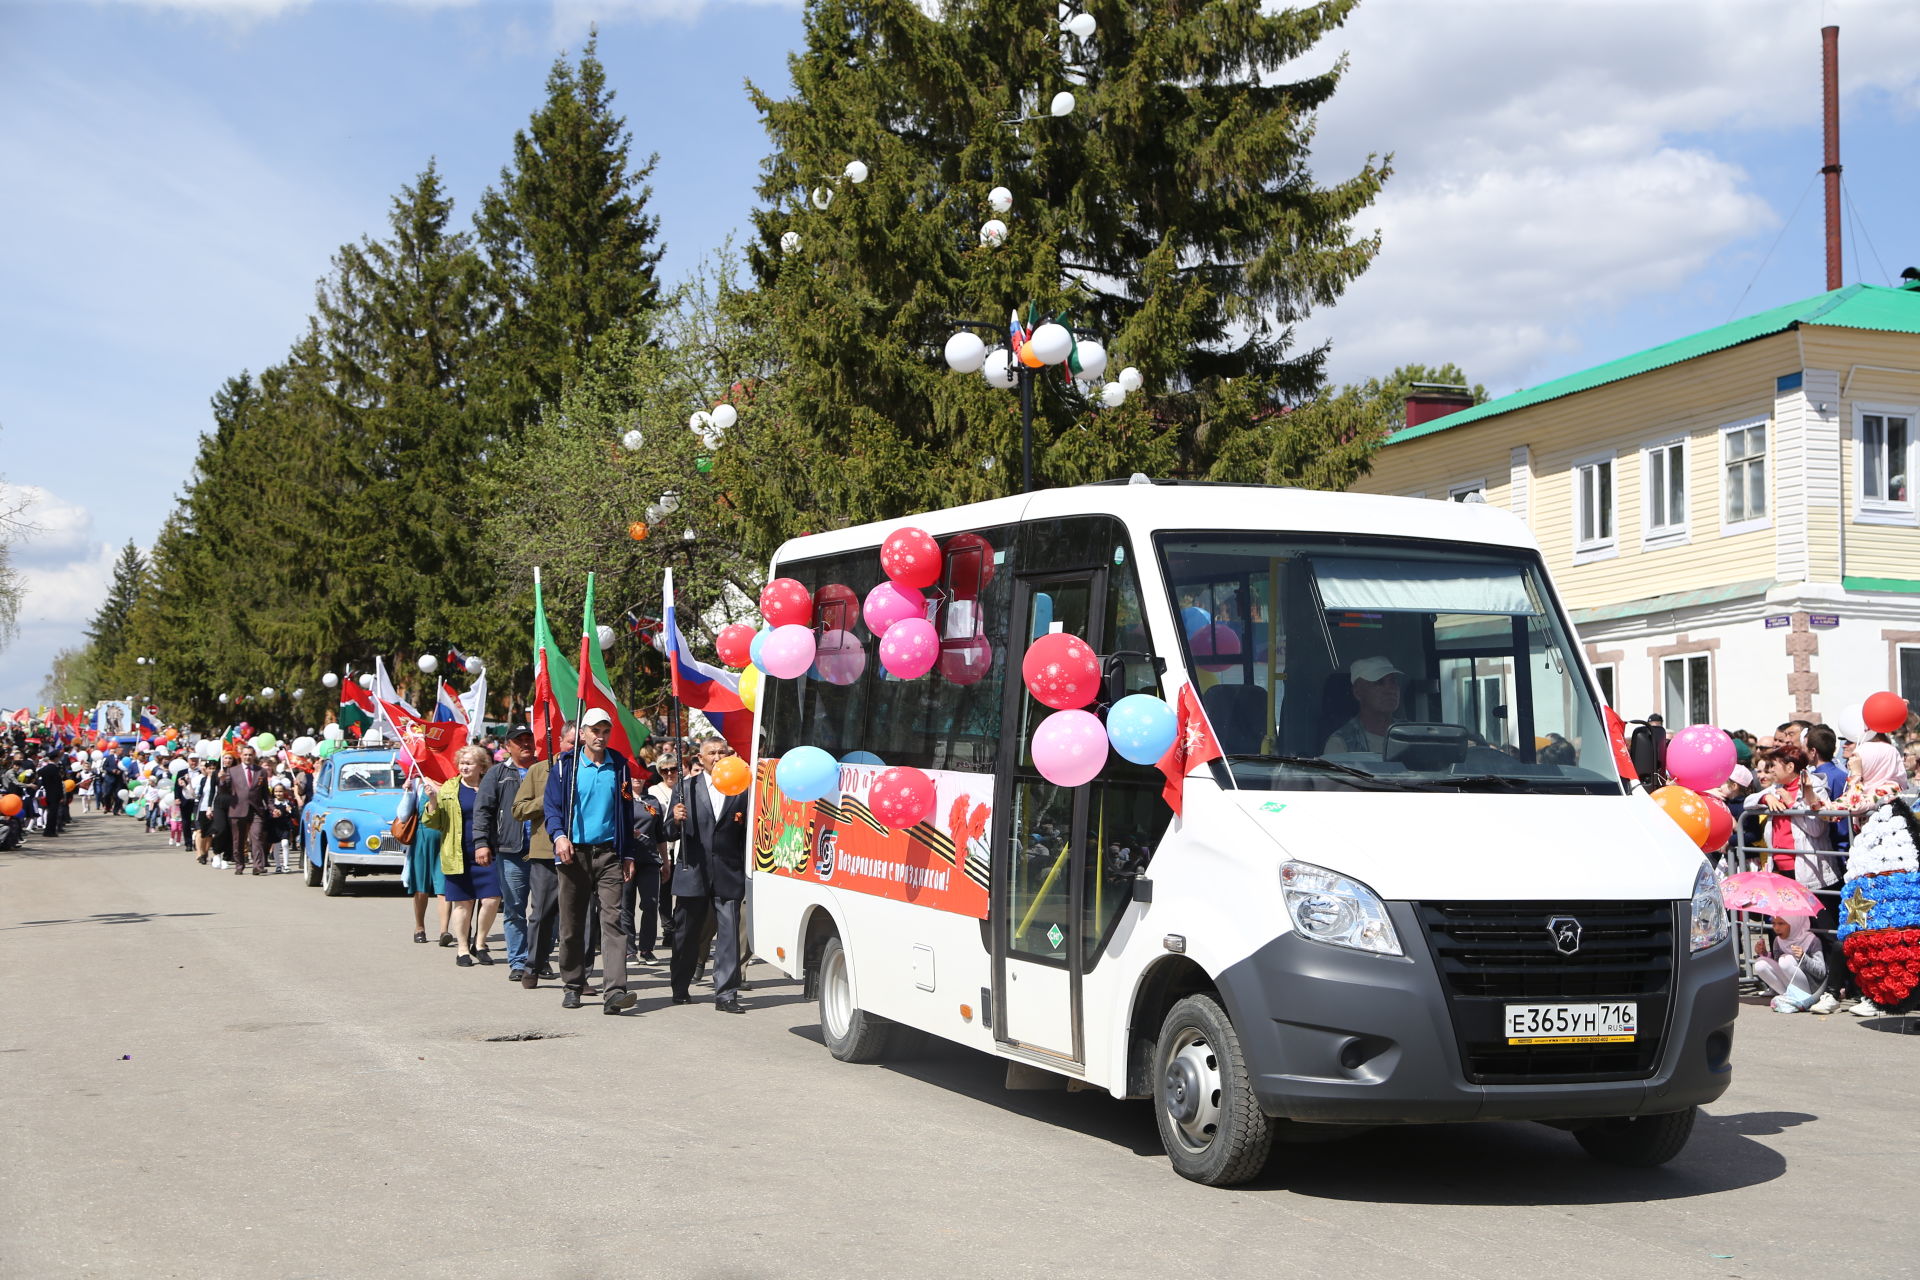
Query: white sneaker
x=1825, y=1004
x=1865, y=1009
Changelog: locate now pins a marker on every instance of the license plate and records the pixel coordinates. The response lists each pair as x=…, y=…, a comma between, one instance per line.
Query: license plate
x=1571, y=1023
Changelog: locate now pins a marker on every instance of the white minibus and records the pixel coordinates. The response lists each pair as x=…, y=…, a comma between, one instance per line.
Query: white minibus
x=1413, y=888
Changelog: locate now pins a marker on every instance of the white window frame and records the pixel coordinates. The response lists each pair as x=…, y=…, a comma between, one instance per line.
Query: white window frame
x=1880, y=510
x=1458, y=492
x=1732, y=528
x=1587, y=550
x=1675, y=532
x=1606, y=681
x=1686, y=688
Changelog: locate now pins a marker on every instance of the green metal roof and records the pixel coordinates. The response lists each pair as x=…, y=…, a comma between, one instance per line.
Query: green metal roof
x=1672, y=600
x=1857, y=306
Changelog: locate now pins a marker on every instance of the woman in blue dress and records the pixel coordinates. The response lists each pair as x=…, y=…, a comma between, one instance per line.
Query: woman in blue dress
x=465, y=877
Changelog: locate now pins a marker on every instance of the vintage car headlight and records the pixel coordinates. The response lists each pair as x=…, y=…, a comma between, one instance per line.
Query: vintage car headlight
x=373, y=842
x=343, y=831
x=1710, y=921
x=1333, y=909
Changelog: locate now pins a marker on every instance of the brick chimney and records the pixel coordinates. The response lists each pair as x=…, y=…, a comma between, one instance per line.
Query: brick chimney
x=1429, y=400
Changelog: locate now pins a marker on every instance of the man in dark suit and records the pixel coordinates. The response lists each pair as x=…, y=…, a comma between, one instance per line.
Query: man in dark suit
x=245, y=789
x=709, y=876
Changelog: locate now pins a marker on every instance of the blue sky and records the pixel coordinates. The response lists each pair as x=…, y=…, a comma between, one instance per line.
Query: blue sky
x=1575, y=179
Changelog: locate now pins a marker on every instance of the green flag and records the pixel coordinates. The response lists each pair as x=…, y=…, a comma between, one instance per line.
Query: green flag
x=566, y=680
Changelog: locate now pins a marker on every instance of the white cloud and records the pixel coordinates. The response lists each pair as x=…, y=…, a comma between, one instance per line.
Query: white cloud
x=64, y=571
x=1555, y=162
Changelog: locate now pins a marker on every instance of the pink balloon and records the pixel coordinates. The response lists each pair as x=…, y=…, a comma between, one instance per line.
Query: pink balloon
x=787, y=651
x=911, y=557
x=910, y=648
x=889, y=603
x=1070, y=748
x=1217, y=640
x=901, y=797
x=1700, y=757
x=839, y=658
x=966, y=661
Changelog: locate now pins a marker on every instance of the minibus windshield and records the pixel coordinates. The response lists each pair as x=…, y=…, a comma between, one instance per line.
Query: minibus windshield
x=1384, y=664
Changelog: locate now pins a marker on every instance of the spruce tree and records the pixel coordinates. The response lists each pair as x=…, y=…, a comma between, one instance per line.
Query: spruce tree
x=1171, y=214
x=571, y=247
x=107, y=631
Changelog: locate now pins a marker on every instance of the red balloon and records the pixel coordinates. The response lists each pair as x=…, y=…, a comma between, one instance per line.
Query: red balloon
x=784, y=602
x=901, y=797
x=734, y=644
x=966, y=661
x=1884, y=712
x=911, y=557
x=1062, y=671
x=1719, y=824
x=1216, y=641
x=836, y=607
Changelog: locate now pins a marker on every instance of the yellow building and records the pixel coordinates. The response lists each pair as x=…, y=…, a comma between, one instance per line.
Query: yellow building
x=1730, y=516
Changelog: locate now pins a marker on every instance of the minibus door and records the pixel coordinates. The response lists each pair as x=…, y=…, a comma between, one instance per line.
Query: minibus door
x=1041, y=845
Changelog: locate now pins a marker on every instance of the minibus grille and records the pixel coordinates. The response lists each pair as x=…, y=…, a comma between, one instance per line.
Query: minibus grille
x=1491, y=954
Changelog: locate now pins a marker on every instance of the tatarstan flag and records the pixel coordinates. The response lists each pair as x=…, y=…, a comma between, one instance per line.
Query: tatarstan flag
x=356, y=705
x=563, y=680
x=596, y=690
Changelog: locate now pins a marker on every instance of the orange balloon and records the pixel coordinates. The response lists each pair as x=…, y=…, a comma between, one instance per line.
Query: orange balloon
x=1689, y=811
x=72, y=786
x=731, y=776
x=9, y=804
x=1028, y=358
x=637, y=531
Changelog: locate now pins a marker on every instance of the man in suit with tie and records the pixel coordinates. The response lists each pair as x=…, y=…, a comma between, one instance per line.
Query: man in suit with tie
x=709, y=876
x=246, y=793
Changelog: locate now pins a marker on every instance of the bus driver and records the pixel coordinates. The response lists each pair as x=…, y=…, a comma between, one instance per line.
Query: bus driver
x=1376, y=687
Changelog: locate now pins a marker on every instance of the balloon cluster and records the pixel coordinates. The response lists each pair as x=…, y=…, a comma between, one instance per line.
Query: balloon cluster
x=1035, y=346
x=1878, y=713
x=1699, y=758
x=657, y=511
x=712, y=425
x=1070, y=747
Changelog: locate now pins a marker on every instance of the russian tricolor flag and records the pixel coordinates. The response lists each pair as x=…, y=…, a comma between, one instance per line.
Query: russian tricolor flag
x=708, y=689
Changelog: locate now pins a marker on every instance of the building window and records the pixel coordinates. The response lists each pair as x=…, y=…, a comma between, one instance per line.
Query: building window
x=1664, y=468
x=1743, y=476
x=1606, y=676
x=1686, y=691
x=1472, y=491
x=1883, y=464
x=1593, y=508
x=1909, y=665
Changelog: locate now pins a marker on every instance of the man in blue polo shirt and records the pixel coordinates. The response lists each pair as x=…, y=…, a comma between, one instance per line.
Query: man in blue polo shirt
x=590, y=820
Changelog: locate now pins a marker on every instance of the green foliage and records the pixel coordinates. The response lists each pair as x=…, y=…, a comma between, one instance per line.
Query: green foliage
x=1172, y=214
x=70, y=679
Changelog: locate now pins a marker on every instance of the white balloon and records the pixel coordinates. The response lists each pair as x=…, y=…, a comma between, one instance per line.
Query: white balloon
x=334, y=732
x=298, y=694
x=966, y=352
x=1062, y=103
x=699, y=422
x=223, y=698
x=1093, y=360
x=606, y=635
x=1130, y=378
x=724, y=416
x=1051, y=343
x=856, y=172
x=1080, y=24
x=997, y=368
x=267, y=694
x=373, y=738
x=633, y=440
x=366, y=681
x=1000, y=199
x=428, y=664
x=710, y=439
x=822, y=197
x=993, y=233
x=303, y=745
x=655, y=514
x=790, y=242
x=475, y=666
x=1113, y=395
x=330, y=680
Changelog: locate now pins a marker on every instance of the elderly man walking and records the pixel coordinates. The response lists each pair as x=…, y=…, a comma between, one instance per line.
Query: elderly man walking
x=709, y=878
x=245, y=786
x=498, y=833
x=590, y=818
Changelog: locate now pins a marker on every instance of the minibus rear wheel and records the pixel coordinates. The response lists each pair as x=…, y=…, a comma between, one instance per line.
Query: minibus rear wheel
x=1638, y=1142
x=1210, y=1122
x=852, y=1034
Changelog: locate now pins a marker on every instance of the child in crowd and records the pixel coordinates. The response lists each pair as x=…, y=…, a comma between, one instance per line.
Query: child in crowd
x=1792, y=964
x=280, y=814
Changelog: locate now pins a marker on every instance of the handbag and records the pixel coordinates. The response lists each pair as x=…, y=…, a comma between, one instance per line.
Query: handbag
x=406, y=827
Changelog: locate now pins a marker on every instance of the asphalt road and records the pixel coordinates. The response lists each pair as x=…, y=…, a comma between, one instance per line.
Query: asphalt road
x=207, y=1075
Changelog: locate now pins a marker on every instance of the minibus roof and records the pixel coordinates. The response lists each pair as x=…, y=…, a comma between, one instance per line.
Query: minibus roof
x=1148, y=507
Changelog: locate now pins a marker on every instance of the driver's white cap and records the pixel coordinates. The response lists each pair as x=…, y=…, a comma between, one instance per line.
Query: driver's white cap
x=1371, y=669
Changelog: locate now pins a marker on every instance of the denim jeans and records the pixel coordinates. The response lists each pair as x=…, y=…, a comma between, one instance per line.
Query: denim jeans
x=513, y=909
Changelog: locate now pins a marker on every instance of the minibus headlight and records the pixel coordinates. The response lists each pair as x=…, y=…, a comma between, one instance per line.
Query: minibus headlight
x=1333, y=909
x=343, y=831
x=1710, y=922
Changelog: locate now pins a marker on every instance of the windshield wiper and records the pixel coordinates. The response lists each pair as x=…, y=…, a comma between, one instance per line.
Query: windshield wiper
x=1320, y=763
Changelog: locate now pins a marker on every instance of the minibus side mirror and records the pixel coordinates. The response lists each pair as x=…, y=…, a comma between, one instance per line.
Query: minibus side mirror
x=1113, y=671
x=1426, y=748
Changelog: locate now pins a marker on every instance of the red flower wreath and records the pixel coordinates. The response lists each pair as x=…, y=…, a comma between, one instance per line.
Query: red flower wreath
x=1887, y=963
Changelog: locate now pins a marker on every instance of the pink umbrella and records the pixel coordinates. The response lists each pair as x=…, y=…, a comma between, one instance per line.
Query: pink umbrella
x=1767, y=894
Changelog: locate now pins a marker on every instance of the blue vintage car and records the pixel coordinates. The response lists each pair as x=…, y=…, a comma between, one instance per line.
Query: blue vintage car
x=349, y=821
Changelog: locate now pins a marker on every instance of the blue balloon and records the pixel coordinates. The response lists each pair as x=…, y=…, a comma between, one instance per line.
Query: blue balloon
x=1193, y=617
x=1141, y=727
x=753, y=649
x=807, y=773
x=862, y=757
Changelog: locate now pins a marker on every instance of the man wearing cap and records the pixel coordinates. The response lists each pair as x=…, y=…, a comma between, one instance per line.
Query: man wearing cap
x=1376, y=687
x=590, y=819
x=498, y=833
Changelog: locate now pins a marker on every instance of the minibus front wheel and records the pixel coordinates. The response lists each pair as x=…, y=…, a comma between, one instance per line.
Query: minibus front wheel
x=1638, y=1142
x=1210, y=1122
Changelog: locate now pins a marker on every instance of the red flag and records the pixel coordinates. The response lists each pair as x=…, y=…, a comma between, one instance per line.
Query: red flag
x=1193, y=744
x=596, y=696
x=547, y=713
x=432, y=745
x=1617, y=735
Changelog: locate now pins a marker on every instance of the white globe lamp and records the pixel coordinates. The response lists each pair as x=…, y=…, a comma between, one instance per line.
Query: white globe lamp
x=724, y=416
x=1051, y=343
x=966, y=352
x=428, y=664
x=998, y=370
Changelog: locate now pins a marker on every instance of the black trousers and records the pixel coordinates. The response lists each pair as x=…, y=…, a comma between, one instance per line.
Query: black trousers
x=690, y=915
x=543, y=912
x=643, y=890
